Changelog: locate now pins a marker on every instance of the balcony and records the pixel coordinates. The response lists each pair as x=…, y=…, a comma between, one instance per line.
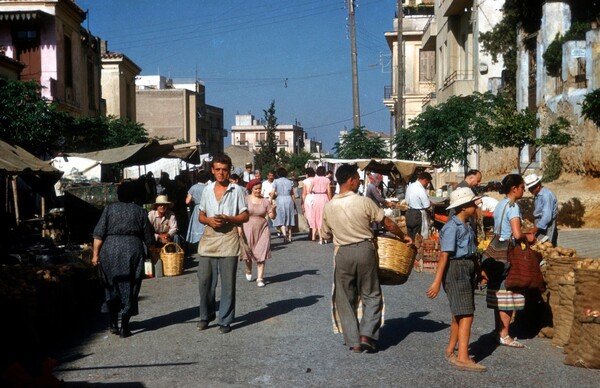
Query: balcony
x=455, y=7
x=429, y=100
x=389, y=98
x=459, y=83
x=429, y=34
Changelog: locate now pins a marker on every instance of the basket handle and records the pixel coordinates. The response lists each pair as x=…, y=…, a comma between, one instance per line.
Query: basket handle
x=163, y=250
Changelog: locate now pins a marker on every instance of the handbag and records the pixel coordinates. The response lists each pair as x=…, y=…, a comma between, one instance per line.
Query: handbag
x=494, y=260
x=525, y=272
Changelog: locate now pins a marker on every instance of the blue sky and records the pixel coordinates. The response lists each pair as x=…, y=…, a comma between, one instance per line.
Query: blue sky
x=295, y=52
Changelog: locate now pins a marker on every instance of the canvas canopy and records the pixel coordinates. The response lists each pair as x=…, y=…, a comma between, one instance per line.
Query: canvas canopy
x=131, y=155
x=404, y=168
x=14, y=160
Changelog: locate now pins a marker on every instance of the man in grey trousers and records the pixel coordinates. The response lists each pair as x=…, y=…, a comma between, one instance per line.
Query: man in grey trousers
x=348, y=217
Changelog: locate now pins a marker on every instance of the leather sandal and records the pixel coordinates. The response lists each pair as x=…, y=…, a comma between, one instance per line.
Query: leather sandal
x=469, y=366
x=511, y=342
x=451, y=358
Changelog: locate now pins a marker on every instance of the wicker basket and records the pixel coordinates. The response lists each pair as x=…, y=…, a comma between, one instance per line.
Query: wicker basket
x=396, y=260
x=172, y=261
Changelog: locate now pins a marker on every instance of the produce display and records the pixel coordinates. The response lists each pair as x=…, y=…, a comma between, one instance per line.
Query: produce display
x=547, y=249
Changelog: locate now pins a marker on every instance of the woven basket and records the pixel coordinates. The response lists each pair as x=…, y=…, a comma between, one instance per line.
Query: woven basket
x=172, y=261
x=396, y=260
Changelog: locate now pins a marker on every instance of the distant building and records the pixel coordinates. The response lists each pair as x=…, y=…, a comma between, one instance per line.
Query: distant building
x=178, y=110
x=10, y=68
x=118, y=83
x=57, y=51
x=249, y=132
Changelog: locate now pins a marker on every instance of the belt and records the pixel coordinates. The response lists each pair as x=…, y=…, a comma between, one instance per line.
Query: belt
x=416, y=209
x=320, y=193
x=357, y=243
x=470, y=257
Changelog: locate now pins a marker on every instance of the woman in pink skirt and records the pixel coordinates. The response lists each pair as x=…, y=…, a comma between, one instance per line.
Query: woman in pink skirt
x=321, y=189
x=308, y=200
x=256, y=231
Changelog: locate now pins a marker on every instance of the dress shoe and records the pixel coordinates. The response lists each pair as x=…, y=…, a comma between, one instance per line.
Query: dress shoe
x=202, y=325
x=224, y=329
x=368, y=344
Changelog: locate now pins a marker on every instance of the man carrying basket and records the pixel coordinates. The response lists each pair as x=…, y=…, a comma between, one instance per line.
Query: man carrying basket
x=348, y=217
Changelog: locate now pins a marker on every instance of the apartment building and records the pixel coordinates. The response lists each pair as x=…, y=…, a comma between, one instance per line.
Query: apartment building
x=64, y=58
x=250, y=132
x=419, y=62
x=177, y=109
x=461, y=65
x=118, y=83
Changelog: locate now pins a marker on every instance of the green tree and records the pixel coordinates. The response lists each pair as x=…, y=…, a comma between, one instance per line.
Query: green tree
x=449, y=132
x=296, y=162
x=357, y=144
x=28, y=120
x=590, y=108
x=106, y=132
x=266, y=158
x=514, y=128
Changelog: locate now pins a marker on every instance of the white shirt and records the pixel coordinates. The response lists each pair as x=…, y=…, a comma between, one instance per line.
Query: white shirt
x=416, y=197
x=267, y=188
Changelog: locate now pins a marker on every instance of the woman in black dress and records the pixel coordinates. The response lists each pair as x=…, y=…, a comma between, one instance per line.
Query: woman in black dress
x=119, y=239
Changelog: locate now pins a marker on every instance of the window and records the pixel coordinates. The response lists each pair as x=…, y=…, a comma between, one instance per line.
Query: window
x=426, y=66
x=68, y=63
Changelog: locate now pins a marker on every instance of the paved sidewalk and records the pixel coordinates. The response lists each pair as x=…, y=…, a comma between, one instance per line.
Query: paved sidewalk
x=282, y=337
x=585, y=241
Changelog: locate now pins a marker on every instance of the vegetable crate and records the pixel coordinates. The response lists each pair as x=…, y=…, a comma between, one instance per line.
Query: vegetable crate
x=429, y=250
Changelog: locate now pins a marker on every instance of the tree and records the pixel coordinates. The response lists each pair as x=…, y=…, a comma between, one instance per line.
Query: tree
x=296, y=162
x=449, y=132
x=591, y=107
x=266, y=158
x=28, y=120
x=357, y=144
x=107, y=132
x=514, y=128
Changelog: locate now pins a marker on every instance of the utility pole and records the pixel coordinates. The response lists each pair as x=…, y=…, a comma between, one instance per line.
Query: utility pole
x=399, y=108
x=355, y=102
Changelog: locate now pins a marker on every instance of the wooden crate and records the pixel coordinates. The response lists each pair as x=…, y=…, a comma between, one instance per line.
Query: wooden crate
x=429, y=266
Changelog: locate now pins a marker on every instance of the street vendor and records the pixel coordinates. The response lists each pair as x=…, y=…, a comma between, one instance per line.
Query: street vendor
x=417, y=199
x=545, y=209
x=373, y=189
x=163, y=221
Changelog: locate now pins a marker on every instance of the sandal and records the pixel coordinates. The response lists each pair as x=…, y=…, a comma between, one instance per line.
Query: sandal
x=514, y=343
x=260, y=283
x=451, y=358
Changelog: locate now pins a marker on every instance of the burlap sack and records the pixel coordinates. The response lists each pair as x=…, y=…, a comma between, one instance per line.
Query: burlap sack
x=554, y=269
x=563, y=318
x=587, y=289
x=588, y=352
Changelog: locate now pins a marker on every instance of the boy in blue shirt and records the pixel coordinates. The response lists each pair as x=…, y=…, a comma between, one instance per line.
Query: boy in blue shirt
x=456, y=271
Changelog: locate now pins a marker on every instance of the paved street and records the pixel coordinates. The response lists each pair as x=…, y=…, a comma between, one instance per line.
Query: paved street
x=282, y=337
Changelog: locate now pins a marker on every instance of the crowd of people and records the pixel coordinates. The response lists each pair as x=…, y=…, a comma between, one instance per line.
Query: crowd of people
x=231, y=218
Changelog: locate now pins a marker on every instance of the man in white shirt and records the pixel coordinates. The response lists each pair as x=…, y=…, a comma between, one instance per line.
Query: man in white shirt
x=417, y=199
x=267, y=185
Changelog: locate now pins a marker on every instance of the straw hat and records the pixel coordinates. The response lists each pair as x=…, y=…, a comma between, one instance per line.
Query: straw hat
x=532, y=180
x=162, y=200
x=461, y=196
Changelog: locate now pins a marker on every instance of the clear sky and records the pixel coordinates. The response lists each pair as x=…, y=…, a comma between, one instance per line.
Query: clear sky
x=248, y=53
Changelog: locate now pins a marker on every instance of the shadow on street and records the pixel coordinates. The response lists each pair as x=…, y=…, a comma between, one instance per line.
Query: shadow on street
x=284, y=277
x=397, y=329
x=274, y=309
x=156, y=323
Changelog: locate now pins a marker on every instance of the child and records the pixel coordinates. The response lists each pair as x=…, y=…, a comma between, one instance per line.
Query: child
x=456, y=269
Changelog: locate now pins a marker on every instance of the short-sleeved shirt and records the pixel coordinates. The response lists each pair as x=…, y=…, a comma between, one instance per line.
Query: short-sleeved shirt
x=512, y=211
x=266, y=189
x=416, y=197
x=224, y=241
x=348, y=217
x=457, y=238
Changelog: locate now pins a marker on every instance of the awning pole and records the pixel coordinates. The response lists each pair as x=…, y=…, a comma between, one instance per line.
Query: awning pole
x=15, y=199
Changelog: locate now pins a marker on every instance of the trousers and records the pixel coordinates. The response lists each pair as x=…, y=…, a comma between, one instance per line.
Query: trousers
x=209, y=271
x=356, y=281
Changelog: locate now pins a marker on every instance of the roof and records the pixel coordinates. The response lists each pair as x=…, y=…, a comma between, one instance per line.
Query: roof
x=130, y=155
x=15, y=160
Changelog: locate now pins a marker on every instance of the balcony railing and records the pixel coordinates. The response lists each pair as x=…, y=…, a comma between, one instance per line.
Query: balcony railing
x=427, y=99
x=458, y=76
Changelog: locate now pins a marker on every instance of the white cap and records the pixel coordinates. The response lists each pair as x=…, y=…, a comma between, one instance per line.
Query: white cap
x=532, y=180
x=461, y=196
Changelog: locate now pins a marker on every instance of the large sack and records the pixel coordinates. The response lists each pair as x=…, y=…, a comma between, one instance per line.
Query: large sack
x=563, y=318
x=587, y=289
